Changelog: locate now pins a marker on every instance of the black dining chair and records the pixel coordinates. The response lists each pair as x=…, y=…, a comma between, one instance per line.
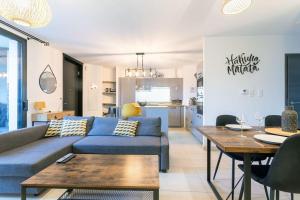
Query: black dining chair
x=284, y=172
x=273, y=121
x=223, y=120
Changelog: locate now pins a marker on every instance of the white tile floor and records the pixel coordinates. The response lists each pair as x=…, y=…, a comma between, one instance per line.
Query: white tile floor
x=186, y=179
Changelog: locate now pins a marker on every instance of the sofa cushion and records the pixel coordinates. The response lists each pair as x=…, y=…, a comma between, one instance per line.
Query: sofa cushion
x=126, y=128
x=103, y=126
x=21, y=137
x=138, y=145
x=148, y=126
x=90, y=121
x=31, y=158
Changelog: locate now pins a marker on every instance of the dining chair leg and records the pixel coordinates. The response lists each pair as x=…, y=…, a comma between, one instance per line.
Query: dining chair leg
x=233, y=179
x=277, y=194
x=269, y=160
x=272, y=194
x=242, y=191
x=267, y=193
x=218, y=164
x=292, y=196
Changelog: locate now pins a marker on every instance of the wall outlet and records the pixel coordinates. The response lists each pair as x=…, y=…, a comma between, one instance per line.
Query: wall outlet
x=260, y=93
x=252, y=93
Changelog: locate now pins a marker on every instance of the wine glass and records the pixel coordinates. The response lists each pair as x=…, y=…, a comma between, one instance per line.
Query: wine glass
x=260, y=118
x=241, y=120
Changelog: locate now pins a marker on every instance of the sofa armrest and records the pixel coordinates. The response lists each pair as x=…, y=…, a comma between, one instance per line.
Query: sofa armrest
x=164, y=152
x=21, y=137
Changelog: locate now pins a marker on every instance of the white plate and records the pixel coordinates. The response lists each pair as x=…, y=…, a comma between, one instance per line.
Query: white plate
x=270, y=139
x=238, y=127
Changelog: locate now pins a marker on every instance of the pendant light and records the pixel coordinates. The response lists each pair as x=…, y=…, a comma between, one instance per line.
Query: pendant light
x=232, y=7
x=31, y=13
x=140, y=72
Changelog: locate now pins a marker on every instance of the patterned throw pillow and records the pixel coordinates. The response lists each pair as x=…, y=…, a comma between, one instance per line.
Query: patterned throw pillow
x=54, y=128
x=73, y=128
x=126, y=128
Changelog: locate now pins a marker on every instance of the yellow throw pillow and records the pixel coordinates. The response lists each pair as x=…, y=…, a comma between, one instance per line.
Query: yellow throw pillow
x=74, y=128
x=131, y=110
x=126, y=128
x=54, y=128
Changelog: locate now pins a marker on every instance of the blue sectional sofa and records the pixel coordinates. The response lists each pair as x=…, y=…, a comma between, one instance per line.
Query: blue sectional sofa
x=26, y=151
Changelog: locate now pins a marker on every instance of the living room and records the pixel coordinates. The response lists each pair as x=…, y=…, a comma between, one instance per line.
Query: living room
x=133, y=99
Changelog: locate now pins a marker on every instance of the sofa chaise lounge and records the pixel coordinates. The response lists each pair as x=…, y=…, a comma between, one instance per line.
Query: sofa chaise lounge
x=25, y=152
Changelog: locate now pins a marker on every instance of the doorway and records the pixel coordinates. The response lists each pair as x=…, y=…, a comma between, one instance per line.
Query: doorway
x=292, y=74
x=13, y=98
x=72, y=85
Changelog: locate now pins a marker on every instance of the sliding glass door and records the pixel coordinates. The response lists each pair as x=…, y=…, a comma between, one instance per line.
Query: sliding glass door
x=13, y=103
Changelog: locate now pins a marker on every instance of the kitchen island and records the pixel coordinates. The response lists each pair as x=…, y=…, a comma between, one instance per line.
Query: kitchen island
x=158, y=111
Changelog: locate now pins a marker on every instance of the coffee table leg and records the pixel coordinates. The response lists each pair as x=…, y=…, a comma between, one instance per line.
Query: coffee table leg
x=23, y=193
x=156, y=195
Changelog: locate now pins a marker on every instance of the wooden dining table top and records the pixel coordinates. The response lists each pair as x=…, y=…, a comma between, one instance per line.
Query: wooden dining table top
x=230, y=141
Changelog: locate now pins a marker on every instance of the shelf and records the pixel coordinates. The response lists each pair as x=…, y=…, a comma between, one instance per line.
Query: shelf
x=112, y=82
x=108, y=104
x=109, y=93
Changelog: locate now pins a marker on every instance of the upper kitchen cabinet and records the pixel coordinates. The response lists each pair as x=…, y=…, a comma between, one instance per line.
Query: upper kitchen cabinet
x=175, y=85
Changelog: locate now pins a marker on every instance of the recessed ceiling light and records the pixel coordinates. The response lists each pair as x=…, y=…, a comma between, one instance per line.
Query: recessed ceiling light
x=33, y=13
x=232, y=7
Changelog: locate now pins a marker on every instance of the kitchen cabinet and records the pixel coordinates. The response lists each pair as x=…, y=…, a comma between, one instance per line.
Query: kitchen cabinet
x=190, y=111
x=197, y=122
x=127, y=87
x=194, y=121
x=175, y=85
x=175, y=116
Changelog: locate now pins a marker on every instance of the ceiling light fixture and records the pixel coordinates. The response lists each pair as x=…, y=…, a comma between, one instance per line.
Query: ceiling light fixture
x=140, y=72
x=30, y=13
x=232, y=7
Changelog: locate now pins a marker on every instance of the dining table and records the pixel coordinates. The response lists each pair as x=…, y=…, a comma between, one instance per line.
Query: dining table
x=232, y=141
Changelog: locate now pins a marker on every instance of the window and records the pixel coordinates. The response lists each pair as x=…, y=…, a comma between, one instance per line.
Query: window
x=12, y=81
x=154, y=95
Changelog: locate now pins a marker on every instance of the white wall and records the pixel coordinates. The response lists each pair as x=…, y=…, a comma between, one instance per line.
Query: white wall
x=93, y=87
x=92, y=90
x=223, y=92
x=38, y=57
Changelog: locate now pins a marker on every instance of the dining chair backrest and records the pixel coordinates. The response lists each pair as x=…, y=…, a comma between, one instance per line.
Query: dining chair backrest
x=223, y=120
x=284, y=172
x=273, y=121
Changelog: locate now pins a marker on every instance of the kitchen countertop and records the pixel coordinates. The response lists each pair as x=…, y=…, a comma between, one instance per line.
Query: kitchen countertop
x=163, y=105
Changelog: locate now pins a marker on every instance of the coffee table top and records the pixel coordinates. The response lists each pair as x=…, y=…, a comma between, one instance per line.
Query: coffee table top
x=89, y=171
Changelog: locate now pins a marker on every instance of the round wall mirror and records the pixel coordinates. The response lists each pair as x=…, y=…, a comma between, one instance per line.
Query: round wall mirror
x=48, y=82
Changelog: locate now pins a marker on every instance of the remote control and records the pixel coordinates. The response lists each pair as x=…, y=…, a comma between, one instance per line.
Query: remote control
x=66, y=158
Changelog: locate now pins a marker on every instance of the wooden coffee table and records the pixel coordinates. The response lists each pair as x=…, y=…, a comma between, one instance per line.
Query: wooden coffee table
x=133, y=173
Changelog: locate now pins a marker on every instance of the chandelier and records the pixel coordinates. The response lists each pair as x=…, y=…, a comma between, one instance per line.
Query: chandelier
x=31, y=13
x=232, y=7
x=140, y=72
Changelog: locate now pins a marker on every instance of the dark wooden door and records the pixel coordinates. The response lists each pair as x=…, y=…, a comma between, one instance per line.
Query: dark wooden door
x=293, y=82
x=72, y=85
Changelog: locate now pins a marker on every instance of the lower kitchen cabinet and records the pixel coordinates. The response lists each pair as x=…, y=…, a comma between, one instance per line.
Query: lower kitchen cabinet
x=194, y=121
x=176, y=116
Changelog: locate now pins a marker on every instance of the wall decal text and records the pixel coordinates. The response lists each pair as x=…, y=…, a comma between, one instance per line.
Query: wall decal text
x=242, y=64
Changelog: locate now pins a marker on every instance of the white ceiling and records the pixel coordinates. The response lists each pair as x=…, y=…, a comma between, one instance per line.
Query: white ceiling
x=104, y=31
